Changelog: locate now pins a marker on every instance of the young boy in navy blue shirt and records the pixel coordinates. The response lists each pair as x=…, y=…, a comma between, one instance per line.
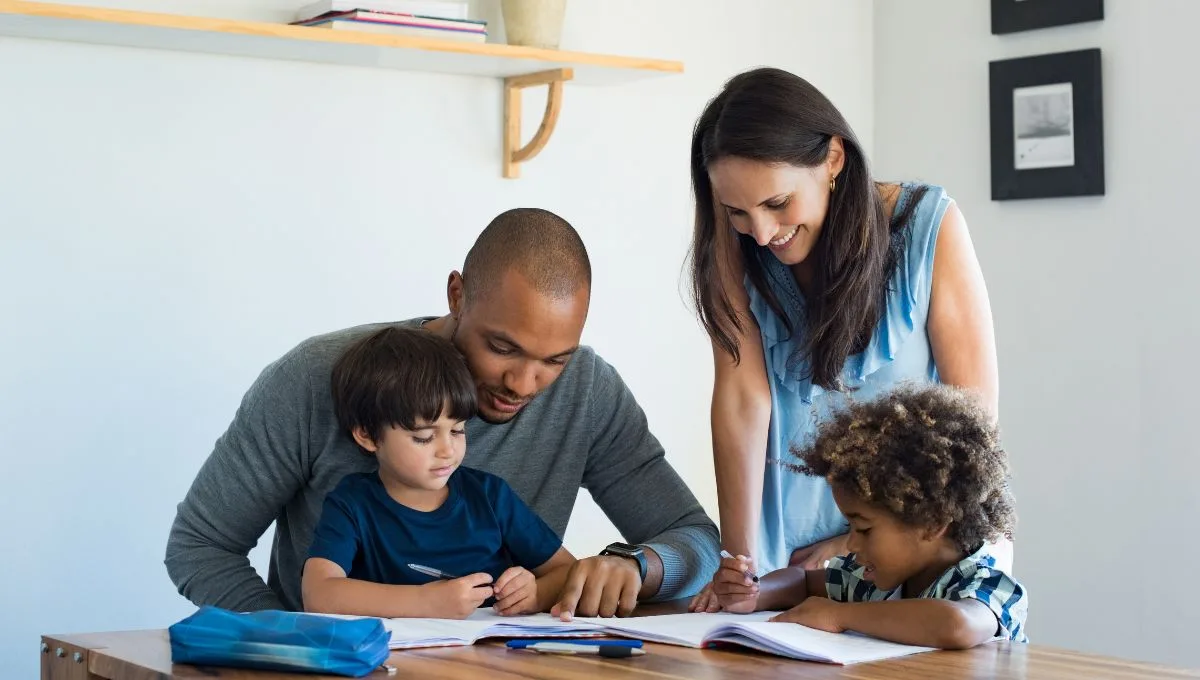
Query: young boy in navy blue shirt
x=404, y=396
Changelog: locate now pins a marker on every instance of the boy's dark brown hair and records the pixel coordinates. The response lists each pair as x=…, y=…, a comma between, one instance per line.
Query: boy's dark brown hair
x=396, y=376
x=928, y=454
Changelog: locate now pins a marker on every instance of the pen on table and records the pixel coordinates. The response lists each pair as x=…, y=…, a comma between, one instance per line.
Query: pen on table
x=430, y=571
x=609, y=651
x=749, y=574
x=529, y=642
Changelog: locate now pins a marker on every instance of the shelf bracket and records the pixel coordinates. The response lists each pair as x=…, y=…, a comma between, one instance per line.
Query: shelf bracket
x=514, y=153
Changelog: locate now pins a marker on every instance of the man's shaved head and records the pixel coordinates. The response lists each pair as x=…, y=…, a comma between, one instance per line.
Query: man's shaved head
x=543, y=247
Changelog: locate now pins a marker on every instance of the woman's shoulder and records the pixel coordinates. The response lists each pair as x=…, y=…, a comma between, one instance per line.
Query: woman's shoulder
x=917, y=212
x=918, y=198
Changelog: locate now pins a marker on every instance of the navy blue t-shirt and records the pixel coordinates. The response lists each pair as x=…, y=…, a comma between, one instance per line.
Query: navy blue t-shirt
x=482, y=527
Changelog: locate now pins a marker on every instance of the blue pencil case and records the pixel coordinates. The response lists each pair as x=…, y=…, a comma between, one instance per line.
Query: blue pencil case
x=280, y=641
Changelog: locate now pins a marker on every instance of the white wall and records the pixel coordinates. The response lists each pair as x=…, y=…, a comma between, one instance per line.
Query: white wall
x=1094, y=305
x=169, y=223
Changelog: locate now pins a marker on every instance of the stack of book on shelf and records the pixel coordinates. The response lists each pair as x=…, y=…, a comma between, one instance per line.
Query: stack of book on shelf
x=444, y=19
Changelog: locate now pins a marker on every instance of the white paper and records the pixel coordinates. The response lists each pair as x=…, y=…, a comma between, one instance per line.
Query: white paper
x=482, y=623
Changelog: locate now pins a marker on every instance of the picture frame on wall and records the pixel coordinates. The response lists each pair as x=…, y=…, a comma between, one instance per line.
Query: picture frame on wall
x=1047, y=126
x=1012, y=16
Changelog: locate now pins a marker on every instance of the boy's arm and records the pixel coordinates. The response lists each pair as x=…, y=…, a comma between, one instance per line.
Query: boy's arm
x=788, y=587
x=550, y=578
x=327, y=590
x=927, y=622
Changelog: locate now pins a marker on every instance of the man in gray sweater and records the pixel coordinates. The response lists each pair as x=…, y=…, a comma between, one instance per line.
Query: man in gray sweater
x=553, y=417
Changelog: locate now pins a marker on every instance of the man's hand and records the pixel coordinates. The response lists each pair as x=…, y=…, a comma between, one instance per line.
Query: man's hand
x=815, y=612
x=516, y=592
x=457, y=598
x=599, y=586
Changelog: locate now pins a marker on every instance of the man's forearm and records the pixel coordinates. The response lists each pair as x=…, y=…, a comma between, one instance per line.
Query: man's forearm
x=210, y=576
x=654, y=575
x=206, y=574
x=685, y=557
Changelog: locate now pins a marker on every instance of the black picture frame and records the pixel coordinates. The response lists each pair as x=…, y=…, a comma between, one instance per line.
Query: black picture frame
x=1012, y=16
x=1047, y=126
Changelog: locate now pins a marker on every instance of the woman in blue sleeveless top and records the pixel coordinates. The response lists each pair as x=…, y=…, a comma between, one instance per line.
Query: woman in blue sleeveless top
x=817, y=285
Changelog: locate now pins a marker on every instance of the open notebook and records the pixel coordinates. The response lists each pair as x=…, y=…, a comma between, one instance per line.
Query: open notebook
x=688, y=630
x=755, y=632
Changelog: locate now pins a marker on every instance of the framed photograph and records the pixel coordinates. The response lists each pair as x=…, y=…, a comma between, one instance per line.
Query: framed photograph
x=1047, y=126
x=1011, y=16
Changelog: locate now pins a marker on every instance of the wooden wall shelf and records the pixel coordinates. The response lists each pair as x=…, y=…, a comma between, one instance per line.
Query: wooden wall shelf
x=520, y=67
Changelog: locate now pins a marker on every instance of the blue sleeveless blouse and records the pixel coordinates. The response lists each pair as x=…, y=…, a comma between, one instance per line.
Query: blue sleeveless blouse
x=797, y=509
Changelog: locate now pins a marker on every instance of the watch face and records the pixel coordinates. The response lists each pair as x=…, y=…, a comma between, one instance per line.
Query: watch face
x=622, y=547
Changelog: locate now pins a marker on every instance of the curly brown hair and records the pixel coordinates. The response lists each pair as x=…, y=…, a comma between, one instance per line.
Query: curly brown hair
x=927, y=454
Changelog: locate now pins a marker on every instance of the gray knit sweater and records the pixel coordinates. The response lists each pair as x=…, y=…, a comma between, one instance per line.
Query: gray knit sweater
x=284, y=451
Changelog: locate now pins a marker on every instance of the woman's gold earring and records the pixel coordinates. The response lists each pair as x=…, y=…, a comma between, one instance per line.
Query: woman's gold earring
x=832, y=184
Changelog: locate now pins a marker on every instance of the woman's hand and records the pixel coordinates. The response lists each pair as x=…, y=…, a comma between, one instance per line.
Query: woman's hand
x=816, y=555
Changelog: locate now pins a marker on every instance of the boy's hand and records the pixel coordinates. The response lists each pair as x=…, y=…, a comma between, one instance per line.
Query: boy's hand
x=706, y=601
x=516, y=592
x=736, y=592
x=815, y=612
x=457, y=598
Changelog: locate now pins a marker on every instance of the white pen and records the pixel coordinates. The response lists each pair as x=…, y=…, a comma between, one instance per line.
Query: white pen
x=430, y=571
x=749, y=574
x=597, y=650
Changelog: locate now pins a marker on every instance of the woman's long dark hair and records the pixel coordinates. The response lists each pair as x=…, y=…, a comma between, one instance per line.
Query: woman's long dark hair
x=774, y=116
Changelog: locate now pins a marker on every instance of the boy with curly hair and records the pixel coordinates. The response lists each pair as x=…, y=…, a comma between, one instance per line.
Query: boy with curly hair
x=922, y=479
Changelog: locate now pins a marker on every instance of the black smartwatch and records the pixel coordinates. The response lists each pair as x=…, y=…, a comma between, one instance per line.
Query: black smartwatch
x=633, y=552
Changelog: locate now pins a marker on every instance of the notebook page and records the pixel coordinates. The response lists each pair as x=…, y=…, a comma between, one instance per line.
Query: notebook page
x=800, y=642
x=688, y=630
x=532, y=625
x=482, y=623
x=408, y=633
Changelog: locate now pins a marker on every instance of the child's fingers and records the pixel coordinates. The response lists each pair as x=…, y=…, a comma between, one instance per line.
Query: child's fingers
x=476, y=580
x=723, y=589
x=481, y=593
x=730, y=576
x=506, y=578
x=740, y=565
x=514, y=601
x=738, y=603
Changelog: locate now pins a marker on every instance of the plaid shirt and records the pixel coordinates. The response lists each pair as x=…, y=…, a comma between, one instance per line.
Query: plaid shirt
x=975, y=577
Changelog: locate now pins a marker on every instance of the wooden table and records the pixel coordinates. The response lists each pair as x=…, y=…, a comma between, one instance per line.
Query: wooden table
x=146, y=655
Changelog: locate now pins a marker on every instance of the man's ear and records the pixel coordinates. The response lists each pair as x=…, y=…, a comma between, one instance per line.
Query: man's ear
x=455, y=291
x=363, y=439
